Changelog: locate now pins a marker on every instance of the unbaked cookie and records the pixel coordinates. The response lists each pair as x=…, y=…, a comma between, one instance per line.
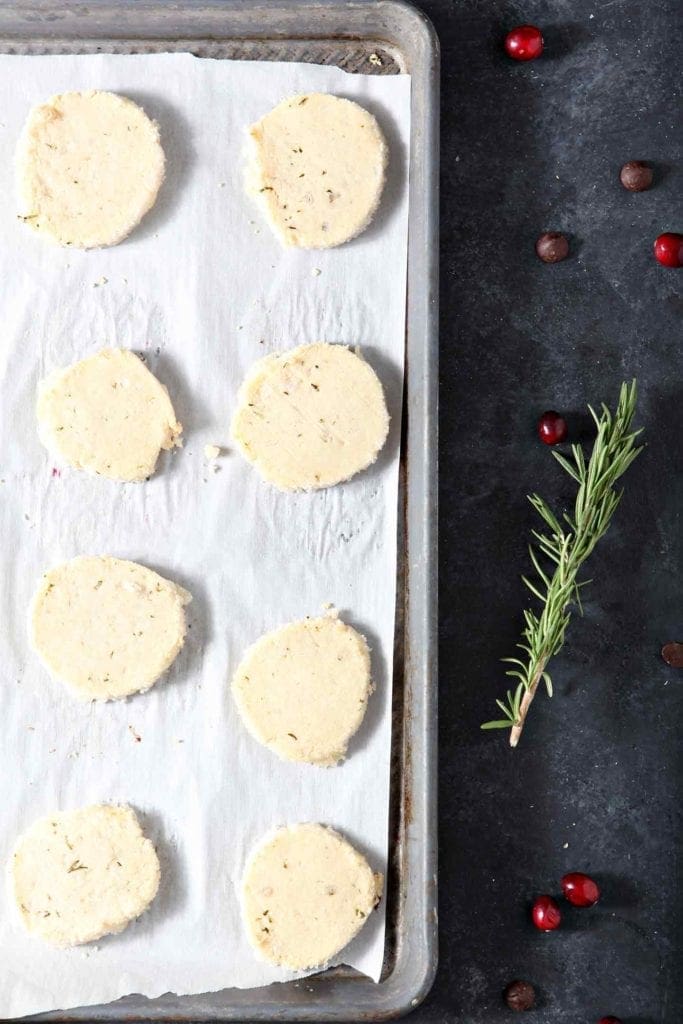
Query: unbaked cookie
x=311, y=417
x=78, y=875
x=306, y=893
x=106, y=627
x=303, y=690
x=107, y=414
x=89, y=167
x=319, y=167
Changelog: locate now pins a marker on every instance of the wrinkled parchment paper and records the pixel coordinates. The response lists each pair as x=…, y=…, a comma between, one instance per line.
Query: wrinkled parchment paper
x=202, y=288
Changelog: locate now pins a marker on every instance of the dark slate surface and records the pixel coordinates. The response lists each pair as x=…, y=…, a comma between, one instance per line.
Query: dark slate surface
x=594, y=785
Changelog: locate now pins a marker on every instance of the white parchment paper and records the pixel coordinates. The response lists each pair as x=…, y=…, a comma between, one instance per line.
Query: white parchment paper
x=202, y=289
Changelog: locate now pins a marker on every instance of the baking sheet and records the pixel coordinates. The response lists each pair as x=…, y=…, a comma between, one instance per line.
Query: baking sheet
x=202, y=288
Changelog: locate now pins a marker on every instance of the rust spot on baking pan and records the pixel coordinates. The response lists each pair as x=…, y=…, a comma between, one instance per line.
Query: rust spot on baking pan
x=407, y=784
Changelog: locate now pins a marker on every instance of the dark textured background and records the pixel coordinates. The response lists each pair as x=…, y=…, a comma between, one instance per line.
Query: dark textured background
x=594, y=785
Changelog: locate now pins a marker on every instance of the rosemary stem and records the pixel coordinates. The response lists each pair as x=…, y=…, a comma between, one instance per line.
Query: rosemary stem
x=525, y=704
x=566, y=542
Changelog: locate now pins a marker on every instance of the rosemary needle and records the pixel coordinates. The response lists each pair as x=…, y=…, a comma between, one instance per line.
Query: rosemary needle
x=566, y=543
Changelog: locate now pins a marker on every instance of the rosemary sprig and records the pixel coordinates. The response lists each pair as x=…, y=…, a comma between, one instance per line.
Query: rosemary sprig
x=566, y=543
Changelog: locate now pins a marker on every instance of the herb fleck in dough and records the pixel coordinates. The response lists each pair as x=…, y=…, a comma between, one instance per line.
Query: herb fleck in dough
x=319, y=169
x=107, y=627
x=306, y=893
x=303, y=690
x=311, y=417
x=78, y=875
x=107, y=414
x=89, y=167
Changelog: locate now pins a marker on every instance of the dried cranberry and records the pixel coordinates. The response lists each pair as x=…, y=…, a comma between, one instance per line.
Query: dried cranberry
x=673, y=654
x=552, y=247
x=520, y=995
x=609, y=1020
x=636, y=176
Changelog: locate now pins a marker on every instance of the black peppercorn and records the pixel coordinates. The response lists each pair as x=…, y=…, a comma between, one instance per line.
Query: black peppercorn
x=520, y=995
x=552, y=247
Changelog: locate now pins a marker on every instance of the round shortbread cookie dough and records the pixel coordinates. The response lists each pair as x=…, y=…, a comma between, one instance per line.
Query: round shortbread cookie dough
x=107, y=414
x=311, y=417
x=319, y=167
x=107, y=627
x=303, y=689
x=89, y=167
x=306, y=893
x=78, y=875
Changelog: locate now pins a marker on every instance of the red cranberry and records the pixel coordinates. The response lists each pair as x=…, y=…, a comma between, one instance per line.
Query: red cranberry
x=609, y=1020
x=580, y=890
x=552, y=428
x=545, y=914
x=524, y=42
x=669, y=249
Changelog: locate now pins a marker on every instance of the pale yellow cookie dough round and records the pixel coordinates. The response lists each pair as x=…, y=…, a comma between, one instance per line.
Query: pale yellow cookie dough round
x=107, y=627
x=306, y=893
x=311, y=417
x=319, y=167
x=107, y=414
x=303, y=689
x=89, y=167
x=78, y=875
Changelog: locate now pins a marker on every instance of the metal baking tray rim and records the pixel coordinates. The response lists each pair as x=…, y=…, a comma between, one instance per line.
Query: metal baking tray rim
x=408, y=36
